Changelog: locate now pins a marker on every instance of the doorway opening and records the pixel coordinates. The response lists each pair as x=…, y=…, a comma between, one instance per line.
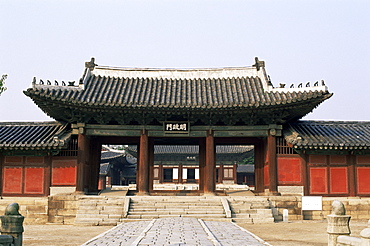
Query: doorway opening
x=118, y=166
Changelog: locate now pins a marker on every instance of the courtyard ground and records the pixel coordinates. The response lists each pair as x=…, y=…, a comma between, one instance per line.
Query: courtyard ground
x=302, y=233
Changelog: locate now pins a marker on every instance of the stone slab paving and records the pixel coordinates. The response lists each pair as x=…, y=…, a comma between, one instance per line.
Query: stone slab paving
x=176, y=231
x=230, y=234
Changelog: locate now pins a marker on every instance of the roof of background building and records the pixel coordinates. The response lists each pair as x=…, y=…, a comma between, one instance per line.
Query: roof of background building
x=194, y=149
x=245, y=169
x=33, y=135
x=217, y=90
x=328, y=134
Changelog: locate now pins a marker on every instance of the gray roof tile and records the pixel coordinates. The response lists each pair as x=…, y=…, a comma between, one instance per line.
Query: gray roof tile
x=162, y=91
x=33, y=135
x=328, y=134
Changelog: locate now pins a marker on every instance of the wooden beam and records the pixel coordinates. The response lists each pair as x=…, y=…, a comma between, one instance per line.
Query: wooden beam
x=113, y=132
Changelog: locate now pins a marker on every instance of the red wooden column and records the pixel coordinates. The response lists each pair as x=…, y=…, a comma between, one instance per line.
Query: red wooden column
x=272, y=161
x=82, y=159
x=351, y=160
x=210, y=164
x=306, y=185
x=94, y=165
x=47, y=174
x=202, y=161
x=143, y=174
x=151, y=163
x=1, y=174
x=259, y=161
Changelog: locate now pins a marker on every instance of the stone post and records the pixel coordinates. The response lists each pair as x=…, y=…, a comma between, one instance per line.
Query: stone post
x=365, y=236
x=12, y=223
x=338, y=223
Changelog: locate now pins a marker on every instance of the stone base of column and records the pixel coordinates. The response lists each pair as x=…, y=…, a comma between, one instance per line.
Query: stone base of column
x=79, y=193
x=273, y=193
x=142, y=193
x=209, y=194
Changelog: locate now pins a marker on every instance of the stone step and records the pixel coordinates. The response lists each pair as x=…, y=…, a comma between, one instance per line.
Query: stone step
x=175, y=212
x=159, y=204
x=263, y=220
x=176, y=208
x=141, y=208
x=156, y=216
x=177, y=201
x=125, y=220
x=243, y=220
x=252, y=211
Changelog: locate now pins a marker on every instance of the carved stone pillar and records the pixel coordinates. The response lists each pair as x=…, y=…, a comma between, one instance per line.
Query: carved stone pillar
x=338, y=223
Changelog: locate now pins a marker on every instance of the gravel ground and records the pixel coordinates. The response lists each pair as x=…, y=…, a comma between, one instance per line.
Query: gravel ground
x=302, y=233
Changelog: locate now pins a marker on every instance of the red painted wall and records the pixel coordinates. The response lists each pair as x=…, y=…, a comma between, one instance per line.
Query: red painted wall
x=289, y=170
x=24, y=175
x=338, y=180
x=64, y=172
x=363, y=180
x=34, y=180
x=12, y=180
x=318, y=180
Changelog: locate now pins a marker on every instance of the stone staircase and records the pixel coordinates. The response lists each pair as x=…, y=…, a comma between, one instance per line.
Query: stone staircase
x=100, y=210
x=109, y=210
x=152, y=207
x=250, y=210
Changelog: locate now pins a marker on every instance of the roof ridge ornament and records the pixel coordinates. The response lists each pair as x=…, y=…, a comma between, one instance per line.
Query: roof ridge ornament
x=91, y=64
x=258, y=63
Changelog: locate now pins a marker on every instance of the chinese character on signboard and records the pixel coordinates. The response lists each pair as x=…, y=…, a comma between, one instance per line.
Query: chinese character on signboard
x=176, y=127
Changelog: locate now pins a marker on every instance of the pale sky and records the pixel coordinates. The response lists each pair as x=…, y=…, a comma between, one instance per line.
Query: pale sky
x=299, y=41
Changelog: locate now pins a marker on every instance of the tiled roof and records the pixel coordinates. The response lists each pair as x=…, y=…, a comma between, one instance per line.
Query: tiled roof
x=328, y=135
x=245, y=169
x=194, y=149
x=104, y=168
x=168, y=90
x=33, y=135
x=108, y=155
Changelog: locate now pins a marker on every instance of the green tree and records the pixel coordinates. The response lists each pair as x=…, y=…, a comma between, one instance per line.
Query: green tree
x=2, y=83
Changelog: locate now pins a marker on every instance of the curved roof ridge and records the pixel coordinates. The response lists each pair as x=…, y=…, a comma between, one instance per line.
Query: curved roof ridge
x=177, y=73
x=29, y=123
x=333, y=121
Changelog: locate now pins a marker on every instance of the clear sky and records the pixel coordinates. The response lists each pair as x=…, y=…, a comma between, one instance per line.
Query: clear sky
x=300, y=41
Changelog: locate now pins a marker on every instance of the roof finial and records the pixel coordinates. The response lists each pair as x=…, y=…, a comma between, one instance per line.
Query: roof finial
x=258, y=63
x=91, y=64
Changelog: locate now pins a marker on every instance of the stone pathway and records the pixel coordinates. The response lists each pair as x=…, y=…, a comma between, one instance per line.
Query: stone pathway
x=176, y=231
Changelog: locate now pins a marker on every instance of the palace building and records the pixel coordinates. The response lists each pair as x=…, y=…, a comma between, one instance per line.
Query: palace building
x=183, y=126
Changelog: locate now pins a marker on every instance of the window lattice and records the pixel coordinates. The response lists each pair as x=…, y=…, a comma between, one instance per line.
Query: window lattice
x=283, y=148
x=71, y=150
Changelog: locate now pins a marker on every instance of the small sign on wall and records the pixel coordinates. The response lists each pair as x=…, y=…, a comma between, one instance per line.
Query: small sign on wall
x=176, y=127
x=312, y=203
